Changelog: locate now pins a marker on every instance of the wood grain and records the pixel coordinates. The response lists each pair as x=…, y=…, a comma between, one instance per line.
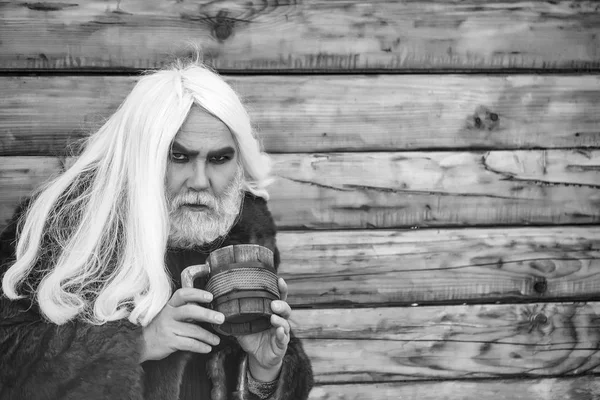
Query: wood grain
x=450, y=342
x=309, y=35
x=565, y=388
x=20, y=176
x=45, y=115
x=399, y=190
x=381, y=190
x=358, y=268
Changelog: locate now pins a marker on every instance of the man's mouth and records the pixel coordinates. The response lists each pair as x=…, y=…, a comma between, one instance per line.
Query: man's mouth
x=196, y=207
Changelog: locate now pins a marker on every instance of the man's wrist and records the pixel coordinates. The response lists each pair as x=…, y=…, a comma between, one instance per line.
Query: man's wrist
x=261, y=373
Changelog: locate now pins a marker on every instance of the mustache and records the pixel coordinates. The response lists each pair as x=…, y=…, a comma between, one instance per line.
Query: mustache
x=205, y=198
x=194, y=198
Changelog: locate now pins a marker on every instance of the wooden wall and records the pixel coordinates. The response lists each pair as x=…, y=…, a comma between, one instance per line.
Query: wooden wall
x=438, y=169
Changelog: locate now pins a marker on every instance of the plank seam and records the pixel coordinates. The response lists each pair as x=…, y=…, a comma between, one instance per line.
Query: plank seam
x=495, y=342
x=504, y=300
x=360, y=151
x=444, y=227
x=594, y=70
x=514, y=377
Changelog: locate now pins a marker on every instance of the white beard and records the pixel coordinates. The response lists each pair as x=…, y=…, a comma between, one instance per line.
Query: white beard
x=191, y=228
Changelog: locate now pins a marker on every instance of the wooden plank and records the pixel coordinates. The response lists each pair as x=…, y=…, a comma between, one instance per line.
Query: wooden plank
x=308, y=35
x=382, y=190
x=44, y=115
x=579, y=388
x=398, y=190
x=20, y=176
x=358, y=268
x=450, y=342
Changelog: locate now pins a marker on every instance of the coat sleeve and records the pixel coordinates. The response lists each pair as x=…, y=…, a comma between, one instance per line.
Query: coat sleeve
x=296, y=378
x=42, y=360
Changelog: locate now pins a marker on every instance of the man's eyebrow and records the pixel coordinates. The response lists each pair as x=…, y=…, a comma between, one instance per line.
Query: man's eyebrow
x=221, y=152
x=213, y=153
x=179, y=147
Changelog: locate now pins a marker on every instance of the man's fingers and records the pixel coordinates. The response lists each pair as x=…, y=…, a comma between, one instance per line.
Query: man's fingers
x=193, y=331
x=194, y=312
x=283, y=289
x=193, y=345
x=282, y=339
x=278, y=322
x=281, y=308
x=187, y=295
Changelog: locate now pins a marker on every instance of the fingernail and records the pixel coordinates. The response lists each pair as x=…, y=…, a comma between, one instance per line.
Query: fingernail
x=208, y=296
x=219, y=317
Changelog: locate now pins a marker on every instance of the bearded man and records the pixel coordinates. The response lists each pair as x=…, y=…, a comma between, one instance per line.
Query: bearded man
x=93, y=306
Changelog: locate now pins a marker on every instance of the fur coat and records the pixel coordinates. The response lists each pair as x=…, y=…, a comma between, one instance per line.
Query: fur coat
x=40, y=360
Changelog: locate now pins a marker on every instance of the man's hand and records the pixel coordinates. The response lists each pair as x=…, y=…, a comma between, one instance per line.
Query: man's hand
x=175, y=326
x=266, y=349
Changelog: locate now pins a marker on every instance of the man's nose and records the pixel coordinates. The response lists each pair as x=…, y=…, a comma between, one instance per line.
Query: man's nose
x=198, y=180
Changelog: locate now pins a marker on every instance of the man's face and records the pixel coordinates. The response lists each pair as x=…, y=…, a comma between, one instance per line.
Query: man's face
x=203, y=181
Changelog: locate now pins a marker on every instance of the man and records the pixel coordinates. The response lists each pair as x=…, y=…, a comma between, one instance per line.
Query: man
x=93, y=305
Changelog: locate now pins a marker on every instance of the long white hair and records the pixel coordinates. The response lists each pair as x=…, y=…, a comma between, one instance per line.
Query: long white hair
x=97, y=234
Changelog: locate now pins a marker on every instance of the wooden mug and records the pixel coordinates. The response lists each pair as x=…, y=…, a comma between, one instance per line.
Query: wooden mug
x=243, y=282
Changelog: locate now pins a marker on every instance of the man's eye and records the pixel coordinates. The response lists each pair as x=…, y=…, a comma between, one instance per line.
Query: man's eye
x=178, y=157
x=219, y=159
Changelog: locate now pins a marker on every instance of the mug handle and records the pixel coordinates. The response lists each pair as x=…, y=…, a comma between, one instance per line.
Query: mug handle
x=193, y=272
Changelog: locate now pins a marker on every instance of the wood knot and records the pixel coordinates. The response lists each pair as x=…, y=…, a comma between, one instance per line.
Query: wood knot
x=541, y=285
x=223, y=26
x=540, y=319
x=538, y=322
x=483, y=119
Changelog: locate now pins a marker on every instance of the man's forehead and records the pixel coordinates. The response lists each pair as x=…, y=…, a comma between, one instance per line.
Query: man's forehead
x=202, y=132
